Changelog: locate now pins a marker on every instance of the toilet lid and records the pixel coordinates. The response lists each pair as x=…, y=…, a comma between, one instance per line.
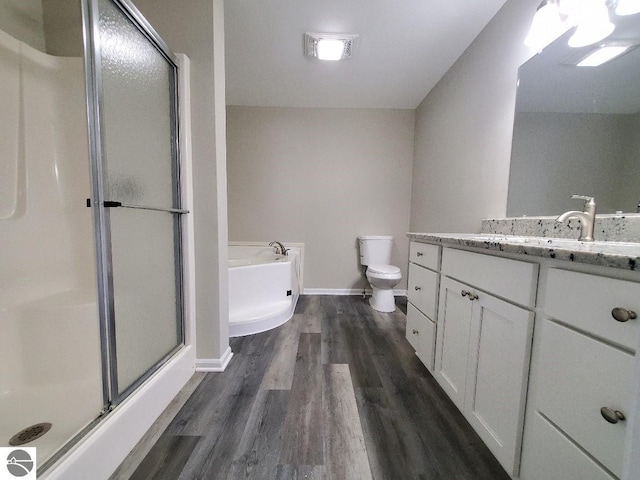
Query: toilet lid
x=386, y=269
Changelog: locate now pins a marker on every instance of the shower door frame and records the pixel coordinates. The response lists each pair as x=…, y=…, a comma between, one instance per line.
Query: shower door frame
x=112, y=396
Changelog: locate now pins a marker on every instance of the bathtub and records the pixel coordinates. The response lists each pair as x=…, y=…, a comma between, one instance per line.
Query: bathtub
x=263, y=288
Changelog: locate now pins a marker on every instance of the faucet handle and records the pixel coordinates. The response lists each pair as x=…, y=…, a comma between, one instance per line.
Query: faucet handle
x=589, y=203
x=586, y=198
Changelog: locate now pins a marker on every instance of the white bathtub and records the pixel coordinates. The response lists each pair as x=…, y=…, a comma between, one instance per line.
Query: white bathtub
x=263, y=288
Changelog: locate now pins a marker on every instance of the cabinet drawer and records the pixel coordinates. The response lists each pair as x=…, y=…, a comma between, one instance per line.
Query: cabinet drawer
x=577, y=376
x=421, y=333
x=586, y=302
x=424, y=254
x=510, y=279
x=547, y=454
x=422, y=289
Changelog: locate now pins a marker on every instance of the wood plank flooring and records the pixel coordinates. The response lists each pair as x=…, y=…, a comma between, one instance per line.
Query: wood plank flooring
x=335, y=393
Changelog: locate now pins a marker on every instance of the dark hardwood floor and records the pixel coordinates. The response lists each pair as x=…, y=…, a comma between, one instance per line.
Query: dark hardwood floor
x=335, y=393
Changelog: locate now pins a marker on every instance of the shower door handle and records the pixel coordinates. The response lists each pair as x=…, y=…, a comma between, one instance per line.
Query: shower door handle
x=113, y=204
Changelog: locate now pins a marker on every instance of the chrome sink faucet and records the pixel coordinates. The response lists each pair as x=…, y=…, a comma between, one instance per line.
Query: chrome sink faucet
x=587, y=217
x=279, y=247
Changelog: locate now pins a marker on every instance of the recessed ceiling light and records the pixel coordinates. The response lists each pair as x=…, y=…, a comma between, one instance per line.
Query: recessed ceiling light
x=329, y=46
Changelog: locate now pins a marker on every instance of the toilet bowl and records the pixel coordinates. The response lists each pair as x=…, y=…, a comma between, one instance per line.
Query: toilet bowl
x=375, y=254
x=382, y=279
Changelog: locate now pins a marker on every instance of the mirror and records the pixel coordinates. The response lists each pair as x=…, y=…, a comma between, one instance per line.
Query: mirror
x=577, y=129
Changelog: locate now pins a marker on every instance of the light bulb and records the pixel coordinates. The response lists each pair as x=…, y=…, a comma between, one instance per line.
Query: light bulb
x=545, y=27
x=627, y=7
x=329, y=49
x=593, y=24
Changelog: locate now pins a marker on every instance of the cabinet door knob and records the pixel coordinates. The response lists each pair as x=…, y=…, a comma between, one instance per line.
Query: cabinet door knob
x=611, y=416
x=464, y=293
x=415, y=332
x=622, y=314
x=418, y=288
x=419, y=254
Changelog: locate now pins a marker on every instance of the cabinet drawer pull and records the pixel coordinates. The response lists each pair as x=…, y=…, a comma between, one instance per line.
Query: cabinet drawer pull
x=415, y=332
x=419, y=254
x=611, y=416
x=622, y=314
x=472, y=296
x=418, y=288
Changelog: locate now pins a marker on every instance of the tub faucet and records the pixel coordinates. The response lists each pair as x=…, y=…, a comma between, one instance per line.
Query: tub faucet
x=587, y=217
x=279, y=247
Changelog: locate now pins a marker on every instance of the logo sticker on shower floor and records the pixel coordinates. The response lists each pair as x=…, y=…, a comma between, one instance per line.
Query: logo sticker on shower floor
x=17, y=463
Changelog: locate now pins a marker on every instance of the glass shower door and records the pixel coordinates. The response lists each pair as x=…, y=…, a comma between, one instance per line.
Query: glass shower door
x=138, y=193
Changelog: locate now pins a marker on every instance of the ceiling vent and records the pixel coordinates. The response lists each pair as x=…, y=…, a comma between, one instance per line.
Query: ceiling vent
x=329, y=46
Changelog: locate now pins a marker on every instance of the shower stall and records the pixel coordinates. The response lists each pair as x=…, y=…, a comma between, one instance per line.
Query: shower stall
x=91, y=272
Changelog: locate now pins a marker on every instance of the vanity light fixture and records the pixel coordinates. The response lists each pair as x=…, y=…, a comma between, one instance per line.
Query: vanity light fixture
x=592, y=18
x=627, y=7
x=329, y=46
x=547, y=25
x=554, y=17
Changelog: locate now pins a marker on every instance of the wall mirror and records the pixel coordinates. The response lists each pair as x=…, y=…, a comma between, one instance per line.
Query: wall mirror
x=577, y=129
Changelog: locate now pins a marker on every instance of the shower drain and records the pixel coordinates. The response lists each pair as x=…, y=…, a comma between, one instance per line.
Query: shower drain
x=29, y=434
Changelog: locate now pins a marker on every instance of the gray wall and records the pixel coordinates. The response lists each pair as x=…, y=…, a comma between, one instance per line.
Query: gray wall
x=190, y=28
x=51, y=26
x=464, y=127
x=321, y=177
x=63, y=27
x=23, y=21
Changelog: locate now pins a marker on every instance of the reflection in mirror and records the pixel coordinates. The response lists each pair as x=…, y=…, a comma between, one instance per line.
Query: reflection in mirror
x=577, y=129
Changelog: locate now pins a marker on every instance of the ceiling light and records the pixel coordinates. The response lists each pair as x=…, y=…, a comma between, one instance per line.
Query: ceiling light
x=627, y=7
x=547, y=25
x=603, y=54
x=554, y=17
x=329, y=49
x=329, y=46
x=592, y=18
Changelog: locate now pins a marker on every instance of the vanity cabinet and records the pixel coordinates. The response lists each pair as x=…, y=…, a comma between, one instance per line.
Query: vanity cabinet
x=424, y=262
x=538, y=354
x=483, y=345
x=583, y=364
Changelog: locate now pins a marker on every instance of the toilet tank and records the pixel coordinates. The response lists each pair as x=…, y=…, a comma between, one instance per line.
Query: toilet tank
x=375, y=249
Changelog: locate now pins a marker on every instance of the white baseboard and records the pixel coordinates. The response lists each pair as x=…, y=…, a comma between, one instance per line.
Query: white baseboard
x=214, y=364
x=347, y=291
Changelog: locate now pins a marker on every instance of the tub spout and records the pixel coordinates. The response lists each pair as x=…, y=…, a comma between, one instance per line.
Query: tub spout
x=279, y=247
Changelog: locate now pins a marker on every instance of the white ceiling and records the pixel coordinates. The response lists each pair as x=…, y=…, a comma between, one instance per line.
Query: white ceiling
x=404, y=48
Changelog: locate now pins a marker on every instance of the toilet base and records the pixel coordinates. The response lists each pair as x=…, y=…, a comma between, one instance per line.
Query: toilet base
x=383, y=300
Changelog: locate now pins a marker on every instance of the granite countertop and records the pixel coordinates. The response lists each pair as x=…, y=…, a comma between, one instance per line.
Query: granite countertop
x=624, y=255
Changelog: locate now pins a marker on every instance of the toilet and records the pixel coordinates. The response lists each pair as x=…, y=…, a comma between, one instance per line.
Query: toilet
x=375, y=254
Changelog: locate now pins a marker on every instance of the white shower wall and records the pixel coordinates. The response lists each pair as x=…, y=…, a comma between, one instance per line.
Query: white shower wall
x=48, y=313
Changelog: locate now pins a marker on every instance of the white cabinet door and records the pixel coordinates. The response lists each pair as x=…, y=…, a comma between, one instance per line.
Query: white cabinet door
x=452, y=346
x=497, y=376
